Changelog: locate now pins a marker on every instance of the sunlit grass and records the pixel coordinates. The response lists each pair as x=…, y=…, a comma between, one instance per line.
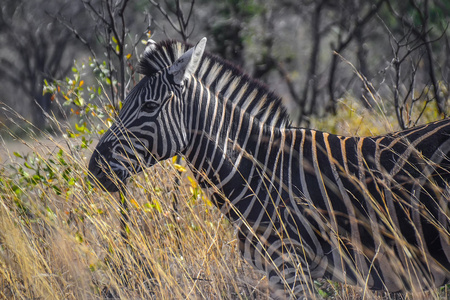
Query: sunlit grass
x=62, y=238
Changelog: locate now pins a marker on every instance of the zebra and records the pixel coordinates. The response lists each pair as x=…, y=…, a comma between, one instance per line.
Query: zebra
x=367, y=211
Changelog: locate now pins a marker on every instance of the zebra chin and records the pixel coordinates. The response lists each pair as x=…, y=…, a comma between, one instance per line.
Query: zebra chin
x=111, y=182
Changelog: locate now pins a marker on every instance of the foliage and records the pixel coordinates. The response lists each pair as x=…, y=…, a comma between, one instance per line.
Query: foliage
x=354, y=119
x=72, y=93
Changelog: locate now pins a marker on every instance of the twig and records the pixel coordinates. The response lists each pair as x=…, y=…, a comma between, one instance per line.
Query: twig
x=182, y=24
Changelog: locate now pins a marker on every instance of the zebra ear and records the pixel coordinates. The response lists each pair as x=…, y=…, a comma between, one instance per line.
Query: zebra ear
x=188, y=63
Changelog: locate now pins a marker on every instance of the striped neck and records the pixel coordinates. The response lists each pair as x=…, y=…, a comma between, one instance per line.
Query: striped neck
x=225, y=142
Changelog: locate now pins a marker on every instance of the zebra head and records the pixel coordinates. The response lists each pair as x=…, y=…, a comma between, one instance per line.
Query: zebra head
x=151, y=125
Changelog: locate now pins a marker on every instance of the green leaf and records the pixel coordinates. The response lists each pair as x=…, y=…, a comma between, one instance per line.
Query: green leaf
x=154, y=205
x=71, y=181
x=78, y=237
x=37, y=177
x=56, y=189
x=50, y=213
x=79, y=101
x=81, y=128
x=17, y=190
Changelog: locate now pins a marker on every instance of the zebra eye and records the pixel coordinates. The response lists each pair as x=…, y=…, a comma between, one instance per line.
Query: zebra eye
x=150, y=106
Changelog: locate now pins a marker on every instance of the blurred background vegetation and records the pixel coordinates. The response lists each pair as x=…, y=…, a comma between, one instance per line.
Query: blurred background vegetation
x=317, y=54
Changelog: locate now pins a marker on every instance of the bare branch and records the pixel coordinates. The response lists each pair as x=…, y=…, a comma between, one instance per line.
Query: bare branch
x=164, y=13
x=182, y=24
x=424, y=35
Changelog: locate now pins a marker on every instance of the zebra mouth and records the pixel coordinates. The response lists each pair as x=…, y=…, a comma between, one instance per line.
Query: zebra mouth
x=105, y=176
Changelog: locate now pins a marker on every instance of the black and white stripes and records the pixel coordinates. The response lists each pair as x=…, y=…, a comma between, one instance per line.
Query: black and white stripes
x=370, y=211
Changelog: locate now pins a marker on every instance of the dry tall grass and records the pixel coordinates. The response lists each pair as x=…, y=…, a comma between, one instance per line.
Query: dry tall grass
x=61, y=238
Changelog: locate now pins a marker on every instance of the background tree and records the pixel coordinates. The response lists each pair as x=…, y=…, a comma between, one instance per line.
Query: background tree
x=34, y=48
x=297, y=47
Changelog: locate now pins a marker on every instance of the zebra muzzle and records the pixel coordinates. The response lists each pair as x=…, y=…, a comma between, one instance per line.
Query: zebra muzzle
x=104, y=176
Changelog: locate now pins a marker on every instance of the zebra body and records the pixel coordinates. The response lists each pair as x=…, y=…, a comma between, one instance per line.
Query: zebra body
x=372, y=211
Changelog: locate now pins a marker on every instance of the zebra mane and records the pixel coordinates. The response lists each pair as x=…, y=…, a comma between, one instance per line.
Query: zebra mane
x=221, y=77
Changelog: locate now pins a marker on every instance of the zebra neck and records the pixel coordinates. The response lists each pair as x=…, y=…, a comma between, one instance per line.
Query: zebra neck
x=225, y=147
